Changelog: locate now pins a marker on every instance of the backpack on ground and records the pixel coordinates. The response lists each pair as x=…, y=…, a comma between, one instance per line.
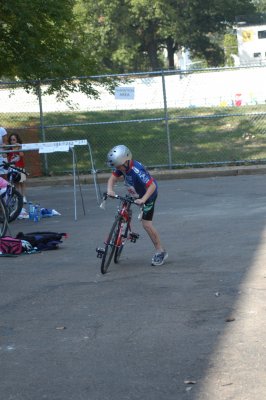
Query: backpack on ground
x=43, y=240
x=10, y=245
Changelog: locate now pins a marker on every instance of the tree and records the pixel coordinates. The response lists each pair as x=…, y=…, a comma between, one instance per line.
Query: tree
x=260, y=5
x=41, y=40
x=198, y=27
x=133, y=28
x=107, y=25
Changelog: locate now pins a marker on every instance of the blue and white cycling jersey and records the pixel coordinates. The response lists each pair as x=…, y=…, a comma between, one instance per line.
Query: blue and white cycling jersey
x=137, y=179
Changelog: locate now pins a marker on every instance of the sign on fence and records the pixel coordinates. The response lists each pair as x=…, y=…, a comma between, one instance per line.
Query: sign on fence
x=124, y=93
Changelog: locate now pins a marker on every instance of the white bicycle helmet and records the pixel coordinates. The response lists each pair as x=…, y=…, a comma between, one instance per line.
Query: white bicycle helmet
x=118, y=155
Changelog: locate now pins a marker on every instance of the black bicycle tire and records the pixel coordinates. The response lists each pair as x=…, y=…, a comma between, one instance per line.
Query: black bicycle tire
x=109, y=249
x=3, y=218
x=118, y=250
x=15, y=213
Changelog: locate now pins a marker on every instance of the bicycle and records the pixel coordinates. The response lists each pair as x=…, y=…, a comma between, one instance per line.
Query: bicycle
x=12, y=198
x=3, y=218
x=120, y=232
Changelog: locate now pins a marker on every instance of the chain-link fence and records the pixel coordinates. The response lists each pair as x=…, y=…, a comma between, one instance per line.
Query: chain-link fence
x=168, y=119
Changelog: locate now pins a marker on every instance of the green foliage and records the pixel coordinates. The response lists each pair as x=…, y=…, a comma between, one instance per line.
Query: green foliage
x=46, y=40
x=131, y=34
x=230, y=47
x=42, y=40
x=260, y=5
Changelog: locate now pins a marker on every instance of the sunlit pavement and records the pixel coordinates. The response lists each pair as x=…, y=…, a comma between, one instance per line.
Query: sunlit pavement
x=237, y=366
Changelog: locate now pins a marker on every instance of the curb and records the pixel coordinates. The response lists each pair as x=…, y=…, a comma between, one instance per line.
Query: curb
x=157, y=174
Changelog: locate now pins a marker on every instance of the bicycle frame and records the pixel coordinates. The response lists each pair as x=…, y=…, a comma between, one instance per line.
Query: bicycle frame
x=124, y=212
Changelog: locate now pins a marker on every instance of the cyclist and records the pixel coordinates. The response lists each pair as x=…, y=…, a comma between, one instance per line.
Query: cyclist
x=142, y=186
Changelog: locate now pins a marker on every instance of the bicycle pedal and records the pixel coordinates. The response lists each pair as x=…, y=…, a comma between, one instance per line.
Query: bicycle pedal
x=133, y=237
x=100, y=252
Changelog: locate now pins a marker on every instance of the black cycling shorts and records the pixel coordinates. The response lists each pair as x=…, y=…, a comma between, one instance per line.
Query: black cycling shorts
x=148, y=210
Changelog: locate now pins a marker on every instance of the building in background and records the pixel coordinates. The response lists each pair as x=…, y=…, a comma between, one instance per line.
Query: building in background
x=251, y=39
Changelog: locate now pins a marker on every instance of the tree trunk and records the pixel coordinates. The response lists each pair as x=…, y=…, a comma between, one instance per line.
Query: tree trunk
x=153, y=56
x=171, y=49
x=152, y=45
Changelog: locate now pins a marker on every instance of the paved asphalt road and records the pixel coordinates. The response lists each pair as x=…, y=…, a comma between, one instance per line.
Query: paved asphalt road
x=191, y=329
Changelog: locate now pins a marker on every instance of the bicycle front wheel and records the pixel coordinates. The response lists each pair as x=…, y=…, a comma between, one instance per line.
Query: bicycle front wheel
x=110, y=245
x=14, y=205
x=119, y=249
x=3, y=218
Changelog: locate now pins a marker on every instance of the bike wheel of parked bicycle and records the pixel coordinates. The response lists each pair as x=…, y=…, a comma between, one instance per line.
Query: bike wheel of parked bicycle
x=3, y=218
x=120, y=247
x=110, y=245
x=14, y=205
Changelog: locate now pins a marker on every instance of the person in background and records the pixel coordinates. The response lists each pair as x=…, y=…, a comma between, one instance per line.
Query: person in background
x=142, y=186
x=3, y=142
x=17, y=157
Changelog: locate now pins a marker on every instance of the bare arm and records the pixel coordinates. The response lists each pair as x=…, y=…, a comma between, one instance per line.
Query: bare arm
x=110, y=185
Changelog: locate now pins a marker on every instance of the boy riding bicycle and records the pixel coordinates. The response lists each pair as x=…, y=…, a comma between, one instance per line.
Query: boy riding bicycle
x=140, y=186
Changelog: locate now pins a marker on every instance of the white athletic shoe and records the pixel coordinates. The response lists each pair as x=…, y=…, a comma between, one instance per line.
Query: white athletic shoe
x=159, y=258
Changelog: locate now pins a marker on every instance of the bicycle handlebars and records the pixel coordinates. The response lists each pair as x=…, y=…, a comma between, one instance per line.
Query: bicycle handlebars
x=126, y=198
x=7, y=165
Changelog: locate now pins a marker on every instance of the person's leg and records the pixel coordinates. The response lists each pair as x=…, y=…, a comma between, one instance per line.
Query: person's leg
x=161, y=255
x=153, y=234
x=22, y=188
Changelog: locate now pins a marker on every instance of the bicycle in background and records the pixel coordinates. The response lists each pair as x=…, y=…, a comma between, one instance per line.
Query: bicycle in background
x=120, y=232
x=3, y=218
x=12, y=198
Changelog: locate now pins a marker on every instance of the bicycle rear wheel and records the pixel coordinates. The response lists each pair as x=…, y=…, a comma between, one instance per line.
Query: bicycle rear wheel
x=3, y=218
x=110, y=245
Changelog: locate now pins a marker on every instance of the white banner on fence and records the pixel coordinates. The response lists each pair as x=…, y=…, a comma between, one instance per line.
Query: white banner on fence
x=50, y=147
x=53, y=149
